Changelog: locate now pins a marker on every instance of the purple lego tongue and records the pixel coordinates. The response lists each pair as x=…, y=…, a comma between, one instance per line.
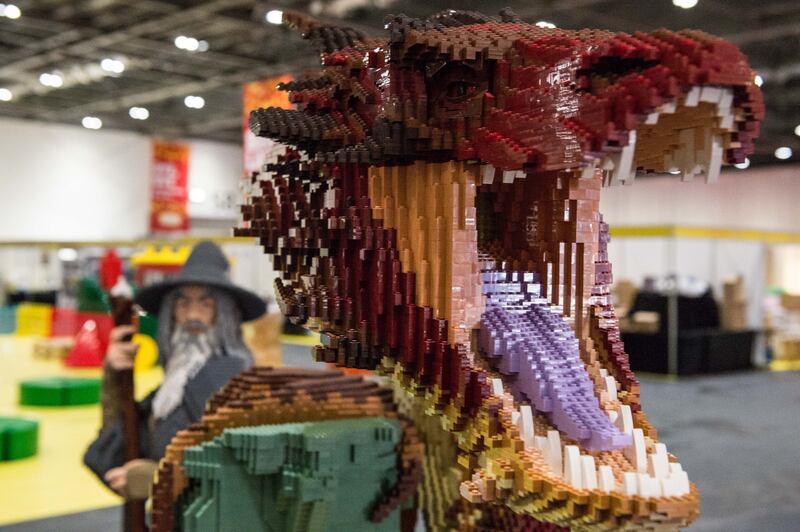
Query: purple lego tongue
x=523, y=336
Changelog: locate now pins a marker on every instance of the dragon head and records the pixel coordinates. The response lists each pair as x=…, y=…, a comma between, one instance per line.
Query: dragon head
x=436, y=213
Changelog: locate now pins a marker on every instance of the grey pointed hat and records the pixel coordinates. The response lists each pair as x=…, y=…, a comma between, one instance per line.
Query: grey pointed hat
x=206, y=266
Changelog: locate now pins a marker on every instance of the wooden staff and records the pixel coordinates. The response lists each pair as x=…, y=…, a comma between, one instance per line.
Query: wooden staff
x=124, y=313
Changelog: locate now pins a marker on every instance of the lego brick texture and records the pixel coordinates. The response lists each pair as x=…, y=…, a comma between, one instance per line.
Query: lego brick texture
x=435, y=217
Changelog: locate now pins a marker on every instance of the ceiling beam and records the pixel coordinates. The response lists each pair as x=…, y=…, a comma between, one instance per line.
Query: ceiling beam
x=119, y=103
x=54, y=53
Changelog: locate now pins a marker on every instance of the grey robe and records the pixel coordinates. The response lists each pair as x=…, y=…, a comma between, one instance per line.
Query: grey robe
x=108, y=450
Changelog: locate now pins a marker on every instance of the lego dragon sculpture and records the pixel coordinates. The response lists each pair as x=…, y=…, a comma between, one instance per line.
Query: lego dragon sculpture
x=435, y=216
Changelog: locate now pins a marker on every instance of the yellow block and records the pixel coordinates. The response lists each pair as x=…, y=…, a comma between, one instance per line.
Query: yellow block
x=34, y=319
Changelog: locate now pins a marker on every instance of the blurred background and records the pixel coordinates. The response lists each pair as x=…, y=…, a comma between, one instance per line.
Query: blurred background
x=123, y=141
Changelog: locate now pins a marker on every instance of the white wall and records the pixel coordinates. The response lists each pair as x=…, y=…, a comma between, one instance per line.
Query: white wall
x=760, y=199
x=216, y=168
x=764, y=199
x=710, y=260
x=67, y=183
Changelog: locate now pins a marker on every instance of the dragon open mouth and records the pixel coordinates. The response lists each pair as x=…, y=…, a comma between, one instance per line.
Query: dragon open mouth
x=438, y=217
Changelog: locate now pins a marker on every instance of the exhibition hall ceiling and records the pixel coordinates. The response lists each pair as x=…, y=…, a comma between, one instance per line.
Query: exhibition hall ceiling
x=175, y=68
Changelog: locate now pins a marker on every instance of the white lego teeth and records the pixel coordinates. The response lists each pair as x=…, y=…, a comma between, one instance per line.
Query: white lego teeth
x=620, y=167
x=605, y=479
x=654, y=475
x=497, y=387
x=526, y=425
x=572, y=466
x=692, y=97
x=553, y=454
x=624, y=421
x=487, y=174
x=636, y=453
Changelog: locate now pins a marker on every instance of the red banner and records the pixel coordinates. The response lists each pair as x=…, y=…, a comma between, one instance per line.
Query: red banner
x=256, y=94
x=169, y=180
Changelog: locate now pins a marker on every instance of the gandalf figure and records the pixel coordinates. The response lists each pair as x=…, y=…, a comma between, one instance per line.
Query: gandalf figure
x=200, y=348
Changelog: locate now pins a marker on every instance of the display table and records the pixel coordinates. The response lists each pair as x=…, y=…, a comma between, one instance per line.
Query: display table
x=707, y=350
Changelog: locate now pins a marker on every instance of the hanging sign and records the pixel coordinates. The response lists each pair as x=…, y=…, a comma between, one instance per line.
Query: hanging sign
x=169, y=178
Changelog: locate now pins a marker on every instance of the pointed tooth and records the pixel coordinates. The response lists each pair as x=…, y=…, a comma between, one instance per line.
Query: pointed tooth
x=651, y=119
x=668, y=108
x=636, y=452
x=715, y=159
x=554, y=452
x=710, y=94
x=623, y=167
x=497, y=387
x=658, y=462
x=519, y=174
x=625, y=420
x=685, y=155
x=629, y=486
x=605, y=478
x=611, y=388
x=588, y=473
x=508, y=176
x=726, y=122
x=668, y=487
x=648, y=486
x=692, y=97
x=526, y=425
x=682, y=483
x=487, y=174
x=572, y=466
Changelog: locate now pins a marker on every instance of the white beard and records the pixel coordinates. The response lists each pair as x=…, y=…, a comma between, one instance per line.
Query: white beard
x=190, y=352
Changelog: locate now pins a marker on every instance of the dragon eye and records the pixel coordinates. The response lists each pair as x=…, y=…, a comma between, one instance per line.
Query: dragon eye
x=460, y=89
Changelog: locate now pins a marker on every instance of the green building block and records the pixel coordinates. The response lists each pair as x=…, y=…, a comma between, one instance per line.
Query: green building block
x=59, y=391
x=298, y=477
x=19, y=438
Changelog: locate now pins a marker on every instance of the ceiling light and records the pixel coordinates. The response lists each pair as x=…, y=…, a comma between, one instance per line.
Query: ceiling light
x=194, y=102
x=67, y=254
x=674, y=171
x=112, y=65
x=138, y=113
x=744, y=164
x=51, y=80
x=10, y=11
x=758, y=80
x=545, y=24
x=783, y=153
x=275, y=16
x=91, y=122
x=5, y=95
x=797, y=131
x=685, y=4
x=191, y=44
x=197, y=195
